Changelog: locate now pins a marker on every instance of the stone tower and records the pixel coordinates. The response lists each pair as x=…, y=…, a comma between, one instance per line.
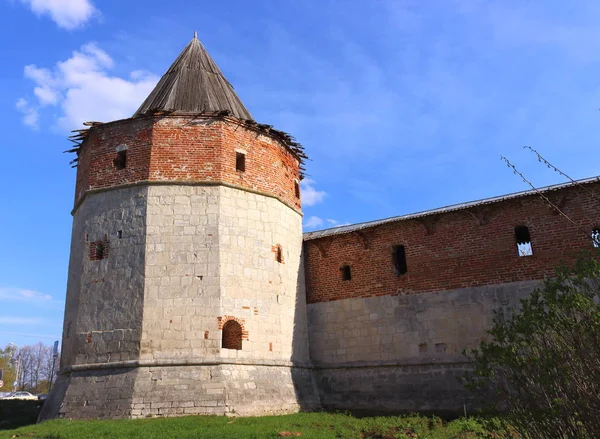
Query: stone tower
x=185, y=291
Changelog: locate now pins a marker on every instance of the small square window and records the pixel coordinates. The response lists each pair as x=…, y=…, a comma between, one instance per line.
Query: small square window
x=240, y=162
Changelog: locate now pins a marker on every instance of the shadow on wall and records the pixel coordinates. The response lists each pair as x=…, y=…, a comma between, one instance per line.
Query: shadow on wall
x=18, y=413
x=303, y=376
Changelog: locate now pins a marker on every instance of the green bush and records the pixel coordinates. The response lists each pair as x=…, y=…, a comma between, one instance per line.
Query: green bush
x=542, y=364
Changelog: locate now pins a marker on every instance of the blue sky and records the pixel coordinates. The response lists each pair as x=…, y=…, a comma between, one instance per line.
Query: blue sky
x=402, y=106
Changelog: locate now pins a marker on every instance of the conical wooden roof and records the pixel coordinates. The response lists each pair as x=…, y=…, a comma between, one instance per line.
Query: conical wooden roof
x=194, y=84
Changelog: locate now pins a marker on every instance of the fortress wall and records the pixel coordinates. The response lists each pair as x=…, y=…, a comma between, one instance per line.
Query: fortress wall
x=256, y=287
x=461, y=249
x=211, y=257
x=196, y=148
x=403, y=352
x=105, y=296
x=246, y=390
x=182, y=286
x=389, y=341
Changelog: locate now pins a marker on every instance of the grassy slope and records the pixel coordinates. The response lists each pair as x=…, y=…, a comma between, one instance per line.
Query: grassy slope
x=311, y=425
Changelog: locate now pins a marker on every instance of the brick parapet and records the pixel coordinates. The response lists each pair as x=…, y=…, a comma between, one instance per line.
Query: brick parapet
x=187, y=149
x=458, y=249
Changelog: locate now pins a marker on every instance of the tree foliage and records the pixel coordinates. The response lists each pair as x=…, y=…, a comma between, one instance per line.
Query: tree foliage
x=542, y=364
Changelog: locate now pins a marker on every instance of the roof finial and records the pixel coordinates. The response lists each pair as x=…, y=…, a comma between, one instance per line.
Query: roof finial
x=195, y=35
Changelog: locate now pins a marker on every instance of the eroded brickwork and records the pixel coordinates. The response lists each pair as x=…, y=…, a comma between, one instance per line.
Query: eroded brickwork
x=459, y=249
x=187, y=149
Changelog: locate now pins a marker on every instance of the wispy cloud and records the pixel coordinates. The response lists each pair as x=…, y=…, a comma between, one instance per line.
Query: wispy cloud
x=68, y=14
x=310, y=195
x=12, y=320
x=313, y=222
x=28, y=297
x=84, y=90
x=31, y=116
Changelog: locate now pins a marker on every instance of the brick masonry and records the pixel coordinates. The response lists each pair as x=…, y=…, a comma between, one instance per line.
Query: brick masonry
x=459, y=249
x=186, y=149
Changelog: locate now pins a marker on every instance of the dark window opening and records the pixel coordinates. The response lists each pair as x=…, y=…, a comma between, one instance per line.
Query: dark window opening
x=297, y=189
x=232, y=335
x=399, y=259
x=523, y=239
x=240, y=162
x=121, y=160
x=279, y=254
x=346, y=274
x=99, y=251
x=596, y=238
x=119, y=234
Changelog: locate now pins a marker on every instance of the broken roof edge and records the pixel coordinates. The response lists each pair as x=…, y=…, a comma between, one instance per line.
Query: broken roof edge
x=451, y=208
x=287, y=140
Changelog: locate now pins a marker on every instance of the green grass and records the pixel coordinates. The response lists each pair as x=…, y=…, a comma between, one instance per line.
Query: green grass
x=310, y=425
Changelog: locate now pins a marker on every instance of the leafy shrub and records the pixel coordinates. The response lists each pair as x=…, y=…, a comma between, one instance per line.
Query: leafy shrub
x=542, y=365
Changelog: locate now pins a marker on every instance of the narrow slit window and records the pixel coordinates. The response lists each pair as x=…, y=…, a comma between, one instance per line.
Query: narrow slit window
x=523, y=239
x=232, y=335
x=240, y=162
x=346, y=273
x=119, y=234
x=596, y=238
x=297, y=189
x=279, y=254
x=121, y=160
x=399, y=259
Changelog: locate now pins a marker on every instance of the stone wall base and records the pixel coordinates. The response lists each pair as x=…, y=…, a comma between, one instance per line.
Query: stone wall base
x=423, y=388
x=139, y=392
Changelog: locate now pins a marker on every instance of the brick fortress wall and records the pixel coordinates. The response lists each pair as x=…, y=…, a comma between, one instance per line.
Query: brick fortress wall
x=394, y=341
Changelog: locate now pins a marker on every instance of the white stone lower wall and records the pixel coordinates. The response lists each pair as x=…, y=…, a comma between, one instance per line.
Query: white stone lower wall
x=413, y=328
x=403, y=353
x=142, y=392
x=104, y=297
x=209, y=255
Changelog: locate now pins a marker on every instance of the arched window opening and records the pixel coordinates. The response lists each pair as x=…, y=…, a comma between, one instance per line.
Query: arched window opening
x=232, y=335
x=120, y=160
x=523, y=241
x=596, y=237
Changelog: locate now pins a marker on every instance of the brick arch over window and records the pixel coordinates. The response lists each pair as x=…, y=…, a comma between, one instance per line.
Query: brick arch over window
x=233, y=332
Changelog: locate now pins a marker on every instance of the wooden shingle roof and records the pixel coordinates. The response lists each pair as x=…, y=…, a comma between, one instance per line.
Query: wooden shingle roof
x=194, y=84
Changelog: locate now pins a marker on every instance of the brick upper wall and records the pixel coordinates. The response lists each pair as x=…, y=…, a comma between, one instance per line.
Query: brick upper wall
x=464, y=248
x=186, y=149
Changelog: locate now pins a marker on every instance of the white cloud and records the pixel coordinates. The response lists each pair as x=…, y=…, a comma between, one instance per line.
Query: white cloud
x=23, y=295
x=310, y=195
x=30, y=115
x=68, y=14
x=84, y=90
x=10, y=320
x=313, y=222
